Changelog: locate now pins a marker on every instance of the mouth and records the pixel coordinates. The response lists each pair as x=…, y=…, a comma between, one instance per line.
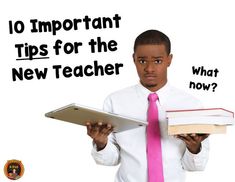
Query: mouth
x=150, y=77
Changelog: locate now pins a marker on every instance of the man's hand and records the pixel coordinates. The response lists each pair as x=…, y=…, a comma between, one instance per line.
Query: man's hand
x=99, y=133
x=193, y=141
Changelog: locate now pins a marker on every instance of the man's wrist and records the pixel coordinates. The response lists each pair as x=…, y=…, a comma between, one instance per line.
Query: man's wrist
x=100, y=146
x=195, y=150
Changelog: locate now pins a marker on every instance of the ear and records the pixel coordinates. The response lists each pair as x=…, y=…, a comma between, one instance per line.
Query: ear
x=133, y=56
x=169, y=59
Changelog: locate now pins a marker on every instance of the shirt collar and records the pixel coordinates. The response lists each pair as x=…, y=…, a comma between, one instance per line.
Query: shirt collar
x=162, y=92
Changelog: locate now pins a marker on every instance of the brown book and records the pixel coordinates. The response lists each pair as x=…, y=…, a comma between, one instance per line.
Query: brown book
x=196, y=128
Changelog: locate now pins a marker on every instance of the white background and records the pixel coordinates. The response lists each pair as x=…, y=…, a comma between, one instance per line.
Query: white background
x=201, y=32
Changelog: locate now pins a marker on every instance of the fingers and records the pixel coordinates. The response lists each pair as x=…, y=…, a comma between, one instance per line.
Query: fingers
x=192, y=141
x=107, y=129
x=98, y=129
x=186, y=138
x=199, y=137
x=204, y=136
x=99, y=133
x=192, y=137
x=89, y=128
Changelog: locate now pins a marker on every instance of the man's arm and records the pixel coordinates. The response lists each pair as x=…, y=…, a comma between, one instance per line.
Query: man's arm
x=197, y=151
x=105, y=150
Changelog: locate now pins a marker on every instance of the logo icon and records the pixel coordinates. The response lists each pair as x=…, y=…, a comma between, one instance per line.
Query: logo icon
x=14, y=169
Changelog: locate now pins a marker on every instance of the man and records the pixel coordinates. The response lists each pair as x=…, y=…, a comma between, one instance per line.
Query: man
x=152, y=57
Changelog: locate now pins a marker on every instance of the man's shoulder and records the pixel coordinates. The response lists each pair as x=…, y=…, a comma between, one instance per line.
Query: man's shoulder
x=124, y=92
x=117, y=100
x=185, y=98
x=181, y=93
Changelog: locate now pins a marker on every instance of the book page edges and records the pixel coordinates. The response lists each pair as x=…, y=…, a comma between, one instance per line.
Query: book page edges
x=194, y=128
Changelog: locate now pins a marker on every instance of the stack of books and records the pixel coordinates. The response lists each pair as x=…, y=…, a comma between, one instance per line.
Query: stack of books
x=201, y=121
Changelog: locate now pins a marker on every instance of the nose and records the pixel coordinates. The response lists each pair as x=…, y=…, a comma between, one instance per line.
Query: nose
x=149, y=67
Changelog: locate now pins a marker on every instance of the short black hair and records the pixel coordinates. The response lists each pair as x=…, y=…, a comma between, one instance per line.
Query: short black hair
x=153, y=37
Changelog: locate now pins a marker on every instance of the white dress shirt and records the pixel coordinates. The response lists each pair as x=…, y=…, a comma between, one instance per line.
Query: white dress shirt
x=128, y=148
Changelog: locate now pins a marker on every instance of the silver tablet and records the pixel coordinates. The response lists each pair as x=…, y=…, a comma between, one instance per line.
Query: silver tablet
x=78, y=114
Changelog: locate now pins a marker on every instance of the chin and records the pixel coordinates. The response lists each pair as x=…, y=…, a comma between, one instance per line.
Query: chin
x=149, y=85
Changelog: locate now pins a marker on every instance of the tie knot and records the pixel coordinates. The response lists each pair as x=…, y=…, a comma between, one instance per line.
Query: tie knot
x=152, y=97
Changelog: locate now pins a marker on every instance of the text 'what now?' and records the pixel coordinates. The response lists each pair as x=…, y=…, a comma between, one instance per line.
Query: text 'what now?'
x=201, y=71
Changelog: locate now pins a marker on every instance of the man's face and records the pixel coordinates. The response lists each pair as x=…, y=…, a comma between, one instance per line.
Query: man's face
x=151, y=62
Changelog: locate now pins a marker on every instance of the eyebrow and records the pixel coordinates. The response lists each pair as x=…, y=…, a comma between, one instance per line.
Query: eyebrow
x=155, y=57
x=141, y=56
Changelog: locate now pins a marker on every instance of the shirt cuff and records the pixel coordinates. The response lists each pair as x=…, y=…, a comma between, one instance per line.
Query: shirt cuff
x=100, y=153
x=108, y=156
x=200, y=159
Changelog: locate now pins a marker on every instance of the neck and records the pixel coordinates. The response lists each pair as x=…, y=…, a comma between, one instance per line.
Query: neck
x=156, y=87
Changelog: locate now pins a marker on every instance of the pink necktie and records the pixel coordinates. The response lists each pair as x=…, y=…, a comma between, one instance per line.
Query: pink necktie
x=154, y=150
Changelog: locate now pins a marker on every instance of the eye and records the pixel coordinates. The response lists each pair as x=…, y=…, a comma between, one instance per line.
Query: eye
x=142, y=61
x=158, y=61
